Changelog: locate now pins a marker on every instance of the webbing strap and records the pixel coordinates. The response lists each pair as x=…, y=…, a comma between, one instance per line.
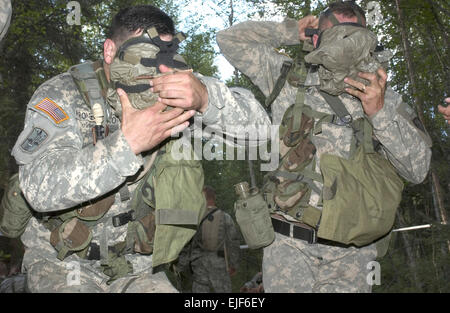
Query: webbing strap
x=175, y=217
x=298, y=109
x=132, y=88
x=337, y=106
x=362, y=129
x=279, y=84
x=305, y=175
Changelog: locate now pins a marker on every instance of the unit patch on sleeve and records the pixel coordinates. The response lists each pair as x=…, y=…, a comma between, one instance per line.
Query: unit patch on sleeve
x=53, y=110
x=34, y=140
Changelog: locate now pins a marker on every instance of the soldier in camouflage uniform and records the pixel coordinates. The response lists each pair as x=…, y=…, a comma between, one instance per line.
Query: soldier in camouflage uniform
x=60, y=167
x=212, y=268
x=293, y=265
x=5, y=17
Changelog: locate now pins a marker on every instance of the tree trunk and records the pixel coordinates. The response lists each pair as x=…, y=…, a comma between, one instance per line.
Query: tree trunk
x=419, y=107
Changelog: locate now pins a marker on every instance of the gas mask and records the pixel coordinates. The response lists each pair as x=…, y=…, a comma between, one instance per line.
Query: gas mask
x=343, y=51
x=137, y=60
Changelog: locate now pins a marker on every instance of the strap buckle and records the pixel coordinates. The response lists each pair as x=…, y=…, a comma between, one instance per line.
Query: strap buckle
x=123, y=218
x=293, y=230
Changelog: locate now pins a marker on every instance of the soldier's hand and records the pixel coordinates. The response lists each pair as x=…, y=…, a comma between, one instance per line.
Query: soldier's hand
x=371, y=96
x=145, y=129
x=180, y=89
x=445, y=111
x=309, y=21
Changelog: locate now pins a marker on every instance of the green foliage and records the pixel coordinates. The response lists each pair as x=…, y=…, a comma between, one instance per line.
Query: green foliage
x=199, y=54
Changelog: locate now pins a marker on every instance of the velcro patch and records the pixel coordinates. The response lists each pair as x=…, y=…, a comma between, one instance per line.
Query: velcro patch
x=53, y=110
x=34, y=140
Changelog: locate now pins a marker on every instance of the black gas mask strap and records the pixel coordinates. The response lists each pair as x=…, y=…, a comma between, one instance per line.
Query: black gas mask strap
x=132, y=88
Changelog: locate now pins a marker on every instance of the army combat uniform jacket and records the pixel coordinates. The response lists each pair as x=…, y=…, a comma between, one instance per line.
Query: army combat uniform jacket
x=60, y=168
x=250, y=47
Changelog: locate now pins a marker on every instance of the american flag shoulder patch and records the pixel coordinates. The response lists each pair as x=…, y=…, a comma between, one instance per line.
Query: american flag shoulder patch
x=53, y=110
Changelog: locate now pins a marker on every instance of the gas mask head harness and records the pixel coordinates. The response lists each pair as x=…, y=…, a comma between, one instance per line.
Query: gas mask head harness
x=137, y=60
x=342, y=51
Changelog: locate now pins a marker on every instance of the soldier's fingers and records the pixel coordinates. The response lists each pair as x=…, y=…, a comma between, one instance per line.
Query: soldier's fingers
x=179, y=103
x=355, y=83
x=161, y=82
x=125, y=102
x=158, y=107
x=171, y=114
x=172, y=94
x=369, y=76
x=355, y=92
x=178, y=120
x=177, y=129
x=164, y=68
x=447, y=100
x=314, y=22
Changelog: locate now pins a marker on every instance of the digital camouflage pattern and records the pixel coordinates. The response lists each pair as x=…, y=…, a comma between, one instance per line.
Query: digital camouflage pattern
x=61, y=168
x=250, y=47
x=344, y=51
x=292, y=265
x=210, y=268
x=5, y=17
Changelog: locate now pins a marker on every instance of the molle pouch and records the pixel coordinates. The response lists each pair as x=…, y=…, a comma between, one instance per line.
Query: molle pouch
x=289, y=193
x=295, y=126
x=71, y=236
x=141, y=233
x=299, y=156
x=15, y=212
x=360, y=198
x=253, y=218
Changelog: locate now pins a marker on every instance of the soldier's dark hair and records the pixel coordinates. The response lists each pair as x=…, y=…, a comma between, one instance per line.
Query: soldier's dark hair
x=130, y=19
x=210, y=193
x=345, y=8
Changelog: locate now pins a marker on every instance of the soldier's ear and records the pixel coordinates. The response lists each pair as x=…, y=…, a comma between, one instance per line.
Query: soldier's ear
x=315, y=37
x=109, y=51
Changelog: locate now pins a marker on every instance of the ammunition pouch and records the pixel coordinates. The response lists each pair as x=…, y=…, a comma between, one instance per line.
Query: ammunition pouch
x=71, y=236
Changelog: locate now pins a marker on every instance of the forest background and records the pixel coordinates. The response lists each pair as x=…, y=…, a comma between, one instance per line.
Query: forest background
x=43, y=42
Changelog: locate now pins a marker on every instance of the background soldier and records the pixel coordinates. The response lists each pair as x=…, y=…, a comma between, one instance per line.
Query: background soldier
x=291, y=264
x=213, y=254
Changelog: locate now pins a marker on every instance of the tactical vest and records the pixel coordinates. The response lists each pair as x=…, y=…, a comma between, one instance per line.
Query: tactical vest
x=360, y=195
x=168, y=202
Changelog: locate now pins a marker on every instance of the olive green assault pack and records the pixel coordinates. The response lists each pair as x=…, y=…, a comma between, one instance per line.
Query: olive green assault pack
x=15, y=212
x=359, y=196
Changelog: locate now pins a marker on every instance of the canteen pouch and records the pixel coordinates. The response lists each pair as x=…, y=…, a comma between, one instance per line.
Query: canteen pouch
x=253, y=218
